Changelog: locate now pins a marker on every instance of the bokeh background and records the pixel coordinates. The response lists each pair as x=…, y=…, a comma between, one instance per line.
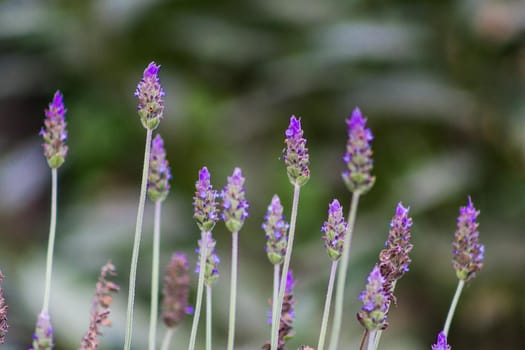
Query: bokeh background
x=442, y=85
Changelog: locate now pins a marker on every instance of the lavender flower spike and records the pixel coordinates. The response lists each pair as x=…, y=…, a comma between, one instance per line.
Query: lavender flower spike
x=276, y=229
x=150, y=95
x=234, y=204
x=43, y=337
x=358, y=156
x=159, y=171
x=375, y=302
x=295, y=154
x=441, y=342
x=211, y=273
x=176, y=288
x=54, y=132
x=3, y=312
x=204, y=202
x=468, y=252
x=334, y=228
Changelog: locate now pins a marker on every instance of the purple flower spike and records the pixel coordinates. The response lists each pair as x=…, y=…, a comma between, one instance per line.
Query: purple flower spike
x=441, y=342
x=375, y=302
x=468, y=252
x=159, y=171
x=335, y=230
x=3, y=312
x=54, y=132
x=204, y=202
x=211, y=273
x=295, y=154
x=43, y=337
x=358, y=156
x=176, y=288
x=151, y=97
x=276, y=232
x=234, y=203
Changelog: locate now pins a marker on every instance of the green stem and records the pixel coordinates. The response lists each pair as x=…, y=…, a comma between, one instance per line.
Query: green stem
x=233, y=290
x=136, y=243
x=372, y=335
x=200, y=286
x=286, y=265
x=327, y=304
x=167, y=338
x=453, y=305
x=275, y=294
x=208, y=318
x=341, y=275
x=51, y=241
x=155, y=278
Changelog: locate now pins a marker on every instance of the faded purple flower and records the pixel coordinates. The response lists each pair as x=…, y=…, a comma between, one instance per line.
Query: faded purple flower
x=334, y=230
x=54, y=132
x=375, y=302
x=159, y=171
x=295, y=155
x=234, y=203
x=468, y=252
x=441, y=342
x=205, y=202
x=3, y=312
x=176, y=288
x=358, y=156
x=276, y=232
x=151, y=97
x=211, y=273
x=43, y=337
x=100, y=310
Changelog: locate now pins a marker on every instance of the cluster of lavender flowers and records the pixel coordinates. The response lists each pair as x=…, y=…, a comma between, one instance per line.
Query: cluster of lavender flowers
x=231, y=206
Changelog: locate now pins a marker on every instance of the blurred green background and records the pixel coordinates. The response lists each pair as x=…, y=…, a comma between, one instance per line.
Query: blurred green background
x=442, y=85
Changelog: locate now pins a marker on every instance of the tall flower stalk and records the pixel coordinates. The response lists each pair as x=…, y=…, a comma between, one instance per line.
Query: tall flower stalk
x=467, y=254
x=158, y=189
x=234, y=212
x=150, y=95
x=358, y=179
x=297, y=162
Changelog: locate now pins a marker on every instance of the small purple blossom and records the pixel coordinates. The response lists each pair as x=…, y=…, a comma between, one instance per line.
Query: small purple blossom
x=3, y=312
x=375, y=302
x=211, y=273
x=295, y=155
x=468, y=252
x=276, y=232
x=205, y=210
x=176, y=289
x=159, y=171
x=151, y=97
x=334, y=230
x=54, y=132
x=234, y=203
x=441, y=342
x=43, y=336
x=358, y=156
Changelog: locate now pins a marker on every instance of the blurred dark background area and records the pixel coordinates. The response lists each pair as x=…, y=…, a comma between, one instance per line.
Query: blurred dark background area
x=442, y=84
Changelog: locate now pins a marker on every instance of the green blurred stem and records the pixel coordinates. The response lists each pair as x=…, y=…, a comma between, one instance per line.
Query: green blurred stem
x=136, y=243
x=51, y=241
x=286, y=265
x=208, y=317
x=327, y=304
x=167, y=338
x=233, y=290
x=341, y=275
x=453, y=305
x=372, y=335
x=380, y=332
x=275, y=293
x=155, y=277
x=200, y=286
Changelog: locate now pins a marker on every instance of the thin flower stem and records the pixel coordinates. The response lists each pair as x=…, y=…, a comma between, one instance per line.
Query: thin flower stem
x=167, y=339
x=327, y=304
x=51, y=242
x=233, y=290
x=371, y=340
x=208, y=317
x=286, y=265
x=275, y=294
x=453, y=305
x=341, y=275
x=363, y=339
x=136, y=243
x=155, y=278
x=200, y=286
x=380, y=332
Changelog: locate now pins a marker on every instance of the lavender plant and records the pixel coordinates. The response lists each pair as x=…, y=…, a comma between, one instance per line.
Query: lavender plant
x=441, y=342
x=150, y=95
x=3, y=312
x=158, y=189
